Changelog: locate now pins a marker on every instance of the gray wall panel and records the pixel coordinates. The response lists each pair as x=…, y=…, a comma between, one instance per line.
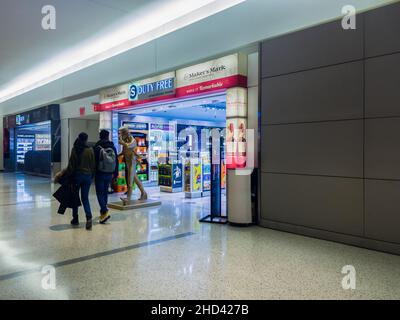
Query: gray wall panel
x=330, y=93
x=362, y=242
x=382, y=210
x=382, y=30
x=328, y=148
x=332, y=204
x=330, y=140
x=382, y=79
x=382, y=148
x=311, y=48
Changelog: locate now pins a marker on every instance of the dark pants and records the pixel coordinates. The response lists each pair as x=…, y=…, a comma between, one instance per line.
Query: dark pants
x=83, y=181
x=103, y=181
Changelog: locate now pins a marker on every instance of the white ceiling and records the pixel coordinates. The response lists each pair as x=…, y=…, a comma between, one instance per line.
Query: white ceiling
x=24, y=45
x=87, y=32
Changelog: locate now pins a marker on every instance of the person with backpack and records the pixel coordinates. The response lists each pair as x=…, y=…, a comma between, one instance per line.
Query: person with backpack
x=81, y=169
x=106, y=167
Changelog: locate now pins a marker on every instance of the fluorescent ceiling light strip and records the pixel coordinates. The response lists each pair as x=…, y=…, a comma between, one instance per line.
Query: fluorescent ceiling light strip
x=166, y=19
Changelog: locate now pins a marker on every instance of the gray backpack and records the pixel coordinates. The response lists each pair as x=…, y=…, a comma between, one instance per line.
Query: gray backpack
x=107, y=160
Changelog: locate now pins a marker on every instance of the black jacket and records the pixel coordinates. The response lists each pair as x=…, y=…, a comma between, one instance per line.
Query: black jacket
x=105, y=144
x=84, y=163
x=67, y=195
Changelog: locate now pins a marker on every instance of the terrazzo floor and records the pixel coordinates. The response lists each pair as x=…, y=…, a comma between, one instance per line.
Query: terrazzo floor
x=165, y=253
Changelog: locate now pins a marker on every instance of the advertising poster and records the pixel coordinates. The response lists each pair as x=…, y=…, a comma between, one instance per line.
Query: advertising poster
x=236, y=103
x=223, y=175
x=196, y=177
x=236, y=126
x=42, y=142
x=236, y=143
x=177, y=176
x=207, y=177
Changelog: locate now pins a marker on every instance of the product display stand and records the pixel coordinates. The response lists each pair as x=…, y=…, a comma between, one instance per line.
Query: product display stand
x=216, y=207
x=193, y=178
x=170, y=177
x=120, y=186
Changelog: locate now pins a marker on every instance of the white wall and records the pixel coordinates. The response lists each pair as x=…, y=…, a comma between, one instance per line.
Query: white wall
x=91, y=127
x=72, y=124
x=70, y=129
x=71, y=109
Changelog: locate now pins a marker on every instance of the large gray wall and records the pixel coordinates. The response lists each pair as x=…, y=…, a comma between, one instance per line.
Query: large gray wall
x=330, y=141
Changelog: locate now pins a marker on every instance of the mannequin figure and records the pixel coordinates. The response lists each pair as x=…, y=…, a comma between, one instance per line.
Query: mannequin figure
x=131, y=156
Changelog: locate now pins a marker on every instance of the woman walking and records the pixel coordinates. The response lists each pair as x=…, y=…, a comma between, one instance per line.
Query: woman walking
x=82, y=167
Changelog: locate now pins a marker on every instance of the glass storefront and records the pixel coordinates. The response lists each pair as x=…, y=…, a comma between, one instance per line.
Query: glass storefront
x=33, y=143
x=33, y=148
x=173, y=139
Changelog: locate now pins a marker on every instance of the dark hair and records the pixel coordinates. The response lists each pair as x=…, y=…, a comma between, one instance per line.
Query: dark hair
x=81, y=143
x=104, y=135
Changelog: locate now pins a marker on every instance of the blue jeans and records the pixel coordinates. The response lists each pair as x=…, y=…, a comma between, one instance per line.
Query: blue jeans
x=84, y=182
x=103, y=181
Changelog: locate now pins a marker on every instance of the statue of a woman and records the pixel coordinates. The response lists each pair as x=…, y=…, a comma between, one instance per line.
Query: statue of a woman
x=129, y=151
